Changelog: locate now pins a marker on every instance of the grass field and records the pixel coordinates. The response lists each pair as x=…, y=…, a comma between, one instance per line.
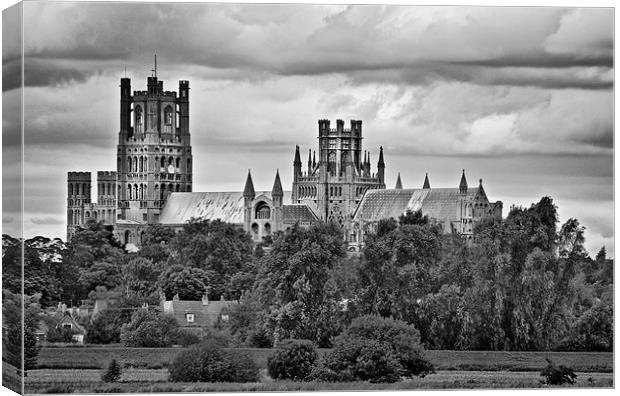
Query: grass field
x=98, y=357
x=78, y=370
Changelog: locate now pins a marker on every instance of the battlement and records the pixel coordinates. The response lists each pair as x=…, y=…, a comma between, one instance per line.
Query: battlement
x=78, y=176
x=324, y=125
x=164, y=94
x=106, y=175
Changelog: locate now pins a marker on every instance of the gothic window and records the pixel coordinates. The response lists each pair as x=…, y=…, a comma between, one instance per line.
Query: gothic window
x=255, y=229
x=87, y=214
x=135, y=164
x=127, y=236
x=168, y=115
x=153, y=117
x=168, y=119
x=163, y=162
x=331, y=162
x=178, y=187
x=84, y=191
x=170, y=160
x=135, y=192
x=70, y=189
x=141, y=191
x=262, y=211
x=178, y=162
x=128, y=164
x=138, y=119
x=141, y=164
x=267, y=229
x=162, y=192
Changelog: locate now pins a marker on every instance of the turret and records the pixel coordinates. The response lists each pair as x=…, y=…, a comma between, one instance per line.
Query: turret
x=399, y=184
x=381, y=166
x=463, y=184
x=427, y=184
x=276, y=192
x=248, y=191
x=183, y=101
x=126, y=100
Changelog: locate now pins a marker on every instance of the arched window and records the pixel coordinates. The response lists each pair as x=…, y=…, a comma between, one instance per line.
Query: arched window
x=141, y=164
x=262, y=211
x=178, y=187
x=139, y=119
x=70, y=189
x=70, y=217
x=87, y=214
x=331, y=162
x=119, y=164
x=141, y=191
x=163, y=162
x=135, y=192
x=267, y=229
x=255, y=230
x=129, y=192
x=162, y=192
x=146, y=164
x=168, y=119
x=170, y=161
x=178, y=162
x=135, y=164
x=189, y=166
x=84, y=190
x=127, y=236
x=129, y=164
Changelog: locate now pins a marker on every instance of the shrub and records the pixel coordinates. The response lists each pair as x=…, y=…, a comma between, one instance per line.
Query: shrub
x=113, y=372
x=375, y=349
x=186, y=337
x=105, y=328
x=210, y=362
x=149, y=329
x=558, y=375
x=294, y=359
x=61, y=334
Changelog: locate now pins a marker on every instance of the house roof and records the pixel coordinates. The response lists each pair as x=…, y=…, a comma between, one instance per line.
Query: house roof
x=226, y=206
x=439, y=204
x=204, y=315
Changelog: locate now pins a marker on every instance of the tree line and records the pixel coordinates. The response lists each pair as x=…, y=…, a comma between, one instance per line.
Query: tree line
x=522, y=283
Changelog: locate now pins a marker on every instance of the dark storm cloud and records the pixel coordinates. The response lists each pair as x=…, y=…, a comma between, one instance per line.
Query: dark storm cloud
x=7, y=219
x=366, y=42
x=43, y=72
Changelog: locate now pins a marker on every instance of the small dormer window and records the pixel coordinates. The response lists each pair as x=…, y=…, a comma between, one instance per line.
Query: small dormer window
x=190, y=318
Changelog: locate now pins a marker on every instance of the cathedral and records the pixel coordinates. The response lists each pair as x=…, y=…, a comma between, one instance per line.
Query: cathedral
x=153, y=182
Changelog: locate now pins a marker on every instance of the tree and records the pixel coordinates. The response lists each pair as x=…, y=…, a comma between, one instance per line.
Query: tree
x=113, y=372
x=218, y=248
x=140, y=276
x=188, y=282
x=151, y=329
x=375, y=349
x=396, y=271
x=294, y=278
x=106, y=327
x=15, y=328
x=92, y=259
x=601, y=256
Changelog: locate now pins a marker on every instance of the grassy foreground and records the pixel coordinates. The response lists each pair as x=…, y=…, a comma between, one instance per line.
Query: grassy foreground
x=79, y=369
x=151, y=381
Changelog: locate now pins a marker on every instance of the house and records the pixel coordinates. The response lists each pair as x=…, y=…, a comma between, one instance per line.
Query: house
x=197, y=315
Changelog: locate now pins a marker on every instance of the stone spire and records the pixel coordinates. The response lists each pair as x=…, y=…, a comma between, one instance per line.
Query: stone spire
x=276, y=191
x=399, y=184
x=309, y=161
x=480, y=193
x=381, y=167
x=427, y=184
x=248, y=191
x=463, y=184
x=314, y=158
x=297, y=161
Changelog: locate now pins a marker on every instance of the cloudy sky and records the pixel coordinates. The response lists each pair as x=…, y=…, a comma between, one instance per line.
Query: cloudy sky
x=519, y=97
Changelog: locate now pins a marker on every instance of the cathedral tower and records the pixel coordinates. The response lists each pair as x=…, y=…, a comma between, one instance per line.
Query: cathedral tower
x=154, y=156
